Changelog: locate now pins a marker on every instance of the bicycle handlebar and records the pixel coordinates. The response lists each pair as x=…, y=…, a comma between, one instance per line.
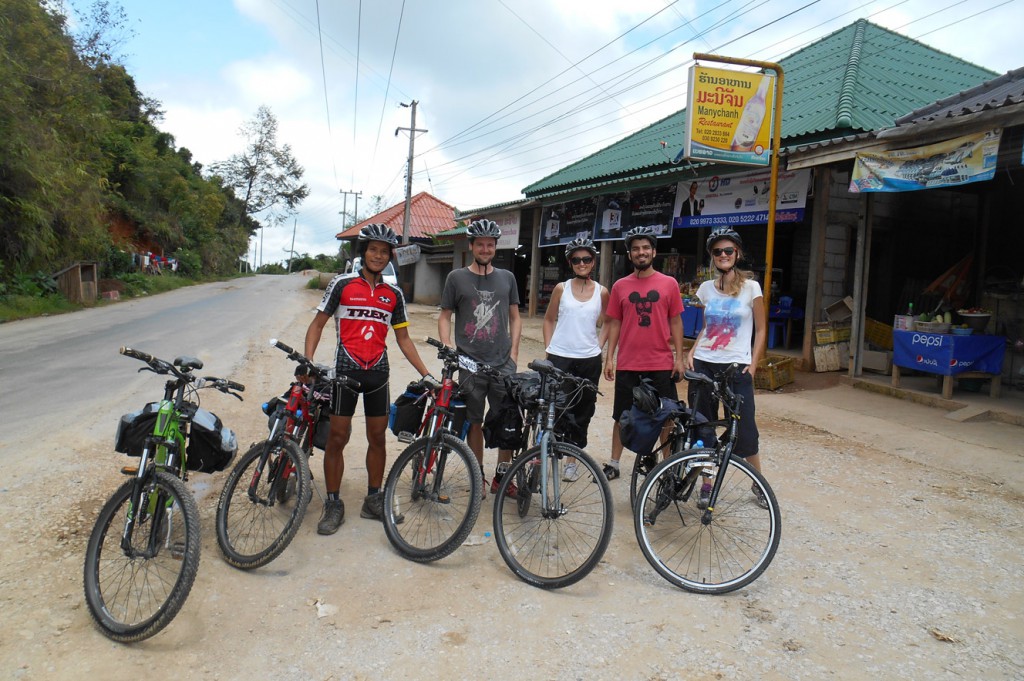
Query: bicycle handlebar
x=162, y=366
x=543, y=366
x=317, y=371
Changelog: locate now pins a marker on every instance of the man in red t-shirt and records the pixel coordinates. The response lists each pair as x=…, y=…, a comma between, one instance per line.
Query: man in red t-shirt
x=364, y=306
x=644, y=324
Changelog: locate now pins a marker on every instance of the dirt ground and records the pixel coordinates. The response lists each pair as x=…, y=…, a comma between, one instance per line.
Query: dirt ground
x=901, y=557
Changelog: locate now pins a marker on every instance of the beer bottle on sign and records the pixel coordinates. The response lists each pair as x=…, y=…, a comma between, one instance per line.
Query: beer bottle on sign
x=751, y=119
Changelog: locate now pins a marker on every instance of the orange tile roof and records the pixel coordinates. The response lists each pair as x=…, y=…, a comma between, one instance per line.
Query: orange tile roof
x=428, y=215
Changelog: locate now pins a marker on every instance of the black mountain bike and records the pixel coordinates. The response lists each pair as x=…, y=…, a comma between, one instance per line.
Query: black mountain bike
x=712, y=543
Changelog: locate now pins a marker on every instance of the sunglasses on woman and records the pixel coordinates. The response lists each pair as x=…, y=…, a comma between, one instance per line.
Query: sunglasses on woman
x=585, y=260
x=728, y=250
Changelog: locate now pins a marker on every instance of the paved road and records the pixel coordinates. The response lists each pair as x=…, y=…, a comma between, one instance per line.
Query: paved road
x=67, y=367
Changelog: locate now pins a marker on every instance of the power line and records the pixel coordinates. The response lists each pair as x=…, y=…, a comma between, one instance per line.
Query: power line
x=327, y=104
x=387, y=88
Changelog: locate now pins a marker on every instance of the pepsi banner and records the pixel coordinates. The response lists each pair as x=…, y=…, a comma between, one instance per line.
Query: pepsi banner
x=946, y=354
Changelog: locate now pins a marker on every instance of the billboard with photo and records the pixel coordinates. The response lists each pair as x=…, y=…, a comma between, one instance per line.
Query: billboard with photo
x=729, y=116
x=740, y=199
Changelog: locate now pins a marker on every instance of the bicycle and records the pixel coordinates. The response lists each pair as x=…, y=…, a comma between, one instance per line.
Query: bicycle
x=558, y=540
x=432, y=494
x=143, y=552
x=266, y=494
x=687, y=427
x=709, y=544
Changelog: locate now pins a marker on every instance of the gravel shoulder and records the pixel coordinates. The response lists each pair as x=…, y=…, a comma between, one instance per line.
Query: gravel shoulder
x=901, y=554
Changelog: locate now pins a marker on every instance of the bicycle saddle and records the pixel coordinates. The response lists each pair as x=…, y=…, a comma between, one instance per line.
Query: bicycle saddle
x=542, y=366
x=186, y=362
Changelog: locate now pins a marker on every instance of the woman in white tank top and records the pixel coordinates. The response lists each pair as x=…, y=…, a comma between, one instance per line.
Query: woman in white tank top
x=571, y=337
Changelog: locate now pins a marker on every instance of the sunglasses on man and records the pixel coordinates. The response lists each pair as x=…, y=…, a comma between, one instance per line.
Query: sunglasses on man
x=585, y=260
x=728, y=250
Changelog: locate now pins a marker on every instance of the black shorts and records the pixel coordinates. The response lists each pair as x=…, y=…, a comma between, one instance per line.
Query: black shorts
x=625, y=381
x=700, y=398
x=373, y=386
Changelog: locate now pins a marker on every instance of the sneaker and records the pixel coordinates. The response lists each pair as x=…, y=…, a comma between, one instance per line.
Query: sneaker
x=571, y=472
x=611, y=472
x=332, y=518
x=762, y=501
x=510, y=493
x=705, y=496
x=373, y=508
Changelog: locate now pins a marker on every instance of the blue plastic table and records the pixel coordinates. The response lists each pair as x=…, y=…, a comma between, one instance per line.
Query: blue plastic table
x=977, y=356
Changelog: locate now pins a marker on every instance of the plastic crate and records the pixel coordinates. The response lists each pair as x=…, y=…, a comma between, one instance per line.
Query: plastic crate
x=826, y=357
x=773, y=372
x=878, y=333
x=826, y=333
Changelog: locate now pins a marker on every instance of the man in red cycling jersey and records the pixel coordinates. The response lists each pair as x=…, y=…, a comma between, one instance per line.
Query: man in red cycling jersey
x=363, y=306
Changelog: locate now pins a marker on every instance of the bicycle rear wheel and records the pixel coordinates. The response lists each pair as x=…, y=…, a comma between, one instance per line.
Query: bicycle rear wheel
x=555, y=547
x=713, y=551
x=133, y=595
x=263, y=503
x=436, y=494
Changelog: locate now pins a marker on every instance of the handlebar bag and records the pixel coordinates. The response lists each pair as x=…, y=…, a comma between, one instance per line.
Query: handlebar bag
x=406, y=414
x=211, y=446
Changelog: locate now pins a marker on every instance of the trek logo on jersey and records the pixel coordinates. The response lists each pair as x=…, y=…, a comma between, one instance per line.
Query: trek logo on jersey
x=351, y=312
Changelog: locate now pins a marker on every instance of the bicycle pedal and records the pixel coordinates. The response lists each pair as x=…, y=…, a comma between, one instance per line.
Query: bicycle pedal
x=129, y=470
x=178, y=550
x=406, y=437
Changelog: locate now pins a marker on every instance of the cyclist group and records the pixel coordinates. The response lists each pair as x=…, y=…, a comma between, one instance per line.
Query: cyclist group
x=638, y=320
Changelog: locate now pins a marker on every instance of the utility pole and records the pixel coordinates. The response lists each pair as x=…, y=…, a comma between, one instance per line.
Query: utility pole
x=408, y=176
x=344, y=206
x=292, y=251
x=344, y=209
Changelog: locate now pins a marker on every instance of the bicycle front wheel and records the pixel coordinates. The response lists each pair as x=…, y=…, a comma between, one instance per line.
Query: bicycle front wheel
x=263, y=503
x=555, y=544
x=710, y=551
x=133, y=592
x=432, y=498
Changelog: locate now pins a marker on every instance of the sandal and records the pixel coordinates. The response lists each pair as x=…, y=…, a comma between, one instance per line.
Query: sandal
x=610, y=472
x=759, y=496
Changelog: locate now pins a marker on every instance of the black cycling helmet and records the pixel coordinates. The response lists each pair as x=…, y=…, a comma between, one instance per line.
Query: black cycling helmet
x=645, y=397
x=484, y=228
x=720, y=233
x=378, y=232
x=640, y=233
x=584, y=243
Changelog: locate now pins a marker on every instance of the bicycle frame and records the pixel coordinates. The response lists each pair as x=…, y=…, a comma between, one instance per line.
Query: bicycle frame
x=166, y=446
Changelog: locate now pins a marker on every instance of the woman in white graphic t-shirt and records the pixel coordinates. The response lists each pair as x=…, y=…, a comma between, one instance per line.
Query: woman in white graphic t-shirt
x=734, y=331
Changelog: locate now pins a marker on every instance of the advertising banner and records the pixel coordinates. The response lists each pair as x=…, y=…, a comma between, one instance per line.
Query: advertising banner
x=971, y=158
x=729, y=116
x=946, y=354
x=652, y=208
x=613, y=216
x=562, y=223
x=509, y=224
x=740, y=199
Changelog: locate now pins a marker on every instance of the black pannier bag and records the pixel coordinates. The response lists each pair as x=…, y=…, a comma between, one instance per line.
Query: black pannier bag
x=322, y=428
x=503, y=426
x=211, y=446
x=406, y=413
x=134, y=428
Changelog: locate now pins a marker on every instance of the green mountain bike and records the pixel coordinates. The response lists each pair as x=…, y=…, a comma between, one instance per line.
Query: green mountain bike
x=143, y=553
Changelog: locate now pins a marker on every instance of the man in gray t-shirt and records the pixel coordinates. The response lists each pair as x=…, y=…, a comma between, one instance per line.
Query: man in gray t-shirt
x=485, y=302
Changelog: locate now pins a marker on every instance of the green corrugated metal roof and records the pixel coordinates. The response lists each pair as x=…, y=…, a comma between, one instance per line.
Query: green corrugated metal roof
x=860, y=78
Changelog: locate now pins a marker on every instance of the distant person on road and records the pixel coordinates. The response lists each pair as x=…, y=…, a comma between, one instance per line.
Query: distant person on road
x=645, y=326
x=571, y=337
x=734, y=316
x=485, y=302
x=363, y=306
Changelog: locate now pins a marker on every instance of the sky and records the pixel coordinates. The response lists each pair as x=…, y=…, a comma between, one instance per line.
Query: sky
x=508, y=91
